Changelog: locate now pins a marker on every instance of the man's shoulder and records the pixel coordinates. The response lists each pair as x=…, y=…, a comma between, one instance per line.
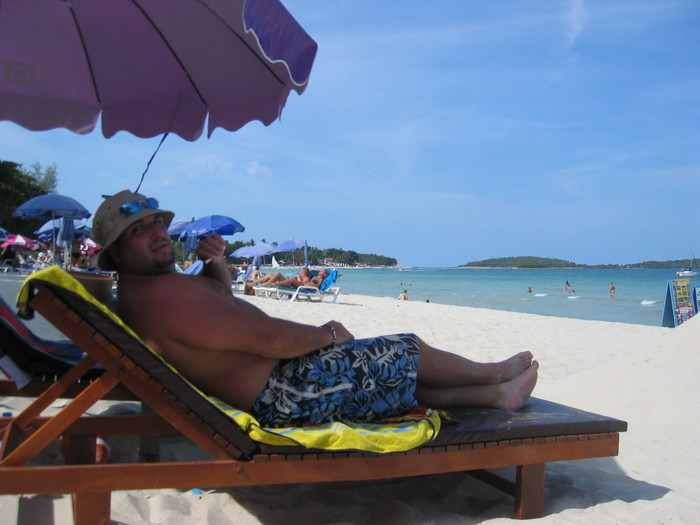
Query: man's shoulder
x=170, y=285
x=142, y=284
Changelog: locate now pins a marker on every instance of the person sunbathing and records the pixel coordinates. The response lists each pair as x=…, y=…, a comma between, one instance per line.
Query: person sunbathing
x=282, y=372
x=296, y=282
x=320, y=277
x=277, y=279
x=255, y=274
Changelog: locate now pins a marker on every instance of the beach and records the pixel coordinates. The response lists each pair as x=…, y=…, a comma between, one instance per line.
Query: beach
x=644, y=375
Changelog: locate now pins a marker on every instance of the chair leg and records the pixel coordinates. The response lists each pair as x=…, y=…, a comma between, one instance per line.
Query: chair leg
x=91, y=508
x=529, y=491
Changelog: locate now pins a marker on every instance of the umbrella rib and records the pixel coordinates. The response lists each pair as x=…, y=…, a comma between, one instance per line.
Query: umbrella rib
x=69, y=6
x=262, y=61
x=177, y=58
x=172, y=51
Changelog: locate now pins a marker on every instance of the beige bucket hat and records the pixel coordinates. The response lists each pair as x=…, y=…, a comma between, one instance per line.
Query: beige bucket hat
x=116, y=214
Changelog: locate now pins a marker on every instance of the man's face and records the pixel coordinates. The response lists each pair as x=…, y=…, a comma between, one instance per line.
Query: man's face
x=144, y=248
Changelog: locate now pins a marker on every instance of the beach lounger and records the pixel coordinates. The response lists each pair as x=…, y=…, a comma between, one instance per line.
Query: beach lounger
x=195, y=268
x=308, y=293
x=303, y=293
x=239, y=284
x=477, y=438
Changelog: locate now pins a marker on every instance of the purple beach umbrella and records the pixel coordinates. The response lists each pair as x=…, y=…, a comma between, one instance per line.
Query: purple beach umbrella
x=149, y=67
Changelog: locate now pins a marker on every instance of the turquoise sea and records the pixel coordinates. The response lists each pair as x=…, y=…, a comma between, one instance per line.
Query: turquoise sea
x=639, y=299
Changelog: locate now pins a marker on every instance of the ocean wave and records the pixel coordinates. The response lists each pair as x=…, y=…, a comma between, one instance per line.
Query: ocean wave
x=541, y=294
x=647, y=302
x=574, y=297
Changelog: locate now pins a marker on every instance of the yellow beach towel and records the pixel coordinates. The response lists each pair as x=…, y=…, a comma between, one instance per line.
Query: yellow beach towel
x=395, y=435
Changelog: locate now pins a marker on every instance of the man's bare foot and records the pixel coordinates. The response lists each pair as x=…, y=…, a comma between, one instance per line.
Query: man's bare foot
x=511, y=367
x=516, y=392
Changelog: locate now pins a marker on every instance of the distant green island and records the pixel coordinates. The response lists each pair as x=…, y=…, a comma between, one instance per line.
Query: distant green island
x=319, y=256
x=530, y=262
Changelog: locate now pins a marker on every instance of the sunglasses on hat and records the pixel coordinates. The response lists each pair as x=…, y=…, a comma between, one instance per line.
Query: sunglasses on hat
x=129, y=208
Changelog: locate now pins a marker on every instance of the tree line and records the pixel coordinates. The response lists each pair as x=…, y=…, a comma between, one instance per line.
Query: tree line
x=317, y=256
x=17, y=186
x=530, y=262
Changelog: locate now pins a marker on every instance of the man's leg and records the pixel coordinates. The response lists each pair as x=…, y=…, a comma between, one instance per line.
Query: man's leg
x=291, y=283
x=437, y=368
x=270, y=278
x=509, y=395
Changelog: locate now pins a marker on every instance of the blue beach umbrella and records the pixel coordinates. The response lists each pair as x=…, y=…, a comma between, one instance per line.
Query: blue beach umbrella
x=206, y=226
x=66, y=233
x=259, y=249
x=175, y=229
x=50, y=230
x=289, y=246
x=50, y=206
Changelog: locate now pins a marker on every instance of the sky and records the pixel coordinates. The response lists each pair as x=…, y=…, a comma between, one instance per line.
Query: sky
x=440, y=133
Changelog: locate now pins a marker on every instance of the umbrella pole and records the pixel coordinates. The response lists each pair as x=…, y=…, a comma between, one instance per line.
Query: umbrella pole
x=55, y=244
x=53, y=239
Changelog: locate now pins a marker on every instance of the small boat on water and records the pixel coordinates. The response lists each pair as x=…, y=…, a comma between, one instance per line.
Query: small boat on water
x=689, y=272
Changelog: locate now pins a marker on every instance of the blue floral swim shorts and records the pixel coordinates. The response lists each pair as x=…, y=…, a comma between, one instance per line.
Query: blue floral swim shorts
x=360, y=380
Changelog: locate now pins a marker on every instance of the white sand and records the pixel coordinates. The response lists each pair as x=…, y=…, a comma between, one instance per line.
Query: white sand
x=647, y=376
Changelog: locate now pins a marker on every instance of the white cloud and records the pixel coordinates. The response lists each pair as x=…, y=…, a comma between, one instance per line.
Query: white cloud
x=576, y=19
x=257, y=170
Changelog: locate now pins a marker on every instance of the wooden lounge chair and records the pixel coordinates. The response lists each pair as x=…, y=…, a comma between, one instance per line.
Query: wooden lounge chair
x=38, y=362
x=539, y=433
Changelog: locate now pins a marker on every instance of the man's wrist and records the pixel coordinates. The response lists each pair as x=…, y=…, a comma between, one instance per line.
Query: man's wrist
x=332, y=330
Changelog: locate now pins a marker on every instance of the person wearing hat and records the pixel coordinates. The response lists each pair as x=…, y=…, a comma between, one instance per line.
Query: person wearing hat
x=284, y=373
x=116, y=214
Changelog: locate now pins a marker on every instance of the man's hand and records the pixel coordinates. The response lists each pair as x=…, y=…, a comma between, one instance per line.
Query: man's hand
x=342, y=335
x=211, y=251
x=210, y=248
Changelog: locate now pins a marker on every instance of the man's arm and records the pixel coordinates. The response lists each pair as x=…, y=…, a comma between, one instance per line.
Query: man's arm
x=211, y=251
x=249, y=308
x=174, y=308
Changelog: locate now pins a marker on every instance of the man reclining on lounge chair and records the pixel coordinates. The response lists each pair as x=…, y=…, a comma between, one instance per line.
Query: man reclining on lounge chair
x=284, y=373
